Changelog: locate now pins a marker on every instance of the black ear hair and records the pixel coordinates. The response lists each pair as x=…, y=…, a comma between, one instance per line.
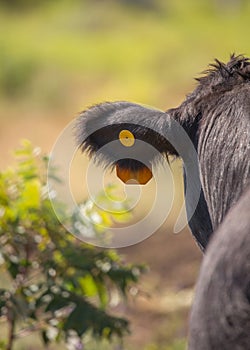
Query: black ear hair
x=101, y=124
x=113, y=113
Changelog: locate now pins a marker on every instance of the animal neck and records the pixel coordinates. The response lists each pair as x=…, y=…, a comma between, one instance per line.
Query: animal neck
x=220, y=317
x=218, y=127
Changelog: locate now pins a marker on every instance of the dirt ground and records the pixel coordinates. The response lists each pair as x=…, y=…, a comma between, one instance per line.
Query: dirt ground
x=159, y=312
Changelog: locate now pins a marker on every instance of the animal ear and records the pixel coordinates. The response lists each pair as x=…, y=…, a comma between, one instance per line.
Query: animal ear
x=99, y=129
x=111, y=115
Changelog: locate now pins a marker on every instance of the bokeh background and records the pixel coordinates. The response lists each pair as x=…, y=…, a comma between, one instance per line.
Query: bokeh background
x=57, y=57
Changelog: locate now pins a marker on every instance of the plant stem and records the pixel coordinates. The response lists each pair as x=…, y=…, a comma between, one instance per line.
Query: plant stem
x=11, y=336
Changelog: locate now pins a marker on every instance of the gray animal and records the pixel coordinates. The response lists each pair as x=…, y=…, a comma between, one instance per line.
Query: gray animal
x=220, y=316
x=216, y=118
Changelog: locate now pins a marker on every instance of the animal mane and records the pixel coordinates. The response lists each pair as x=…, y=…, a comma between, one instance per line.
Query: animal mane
x=215, y=116
x=216, y=80
x=237, y=68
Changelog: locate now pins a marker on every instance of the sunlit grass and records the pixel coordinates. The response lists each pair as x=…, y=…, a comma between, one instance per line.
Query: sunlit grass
x=120, y=51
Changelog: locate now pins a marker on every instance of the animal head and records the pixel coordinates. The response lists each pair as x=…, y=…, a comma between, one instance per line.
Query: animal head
x=215, y=119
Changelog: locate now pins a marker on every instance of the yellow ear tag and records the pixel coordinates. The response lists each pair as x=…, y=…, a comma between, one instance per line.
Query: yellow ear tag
x=126, y=138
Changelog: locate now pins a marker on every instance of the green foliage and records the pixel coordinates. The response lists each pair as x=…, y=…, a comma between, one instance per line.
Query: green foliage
x=18, y=5
x=59, y=286
x=87, y=51
x=15, y=75
x=30, y=4
x=180, y=344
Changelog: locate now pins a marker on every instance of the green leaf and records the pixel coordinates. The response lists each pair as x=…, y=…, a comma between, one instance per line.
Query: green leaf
x=88, y=285
x=79, y=319
x=57, y=303
x=102, y=293
x=30, y=196
x=12, y=267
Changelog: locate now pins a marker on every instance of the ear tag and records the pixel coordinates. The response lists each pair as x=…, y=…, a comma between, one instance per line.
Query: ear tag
x=138, y=177
x=126, y=138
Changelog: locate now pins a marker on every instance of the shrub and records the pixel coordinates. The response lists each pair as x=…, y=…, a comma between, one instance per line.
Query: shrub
x=59, y=286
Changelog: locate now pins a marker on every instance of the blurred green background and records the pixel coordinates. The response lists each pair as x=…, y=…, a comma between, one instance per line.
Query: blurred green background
x=58, y=56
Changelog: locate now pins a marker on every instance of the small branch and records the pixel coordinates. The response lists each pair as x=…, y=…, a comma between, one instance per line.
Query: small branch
x=11, y=336
x=29, y=330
